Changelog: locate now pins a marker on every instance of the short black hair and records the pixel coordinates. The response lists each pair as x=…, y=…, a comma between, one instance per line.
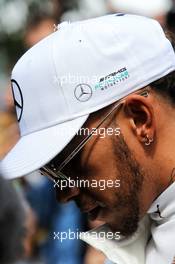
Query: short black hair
x=166, y=85
x=12, y=218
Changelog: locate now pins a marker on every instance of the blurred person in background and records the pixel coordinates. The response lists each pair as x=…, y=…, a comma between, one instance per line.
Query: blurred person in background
x=38, y=26
x=12, y=224
x=9, y=132
x=17, y=225
x=80, y=9
x=171, y=18
x=60, y=7
x=157, y=9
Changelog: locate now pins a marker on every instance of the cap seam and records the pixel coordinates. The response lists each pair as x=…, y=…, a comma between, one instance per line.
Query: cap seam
x=117, y=36
x=57, y=78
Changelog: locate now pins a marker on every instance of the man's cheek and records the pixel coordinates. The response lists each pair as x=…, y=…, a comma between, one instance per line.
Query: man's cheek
x=106, y=197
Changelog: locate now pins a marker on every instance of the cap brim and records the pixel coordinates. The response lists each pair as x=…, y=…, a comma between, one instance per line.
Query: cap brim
x=35, y=150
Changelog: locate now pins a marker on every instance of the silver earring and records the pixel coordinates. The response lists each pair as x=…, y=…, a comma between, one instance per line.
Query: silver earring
x=148, y=141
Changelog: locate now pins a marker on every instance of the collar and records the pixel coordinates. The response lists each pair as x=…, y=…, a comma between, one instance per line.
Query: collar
x=160, y=222
x=161, y=248
x=121, y=251
x=163, y=208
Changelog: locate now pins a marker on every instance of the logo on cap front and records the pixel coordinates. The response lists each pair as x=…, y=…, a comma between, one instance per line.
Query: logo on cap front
x=18, y=99
x=83, y=92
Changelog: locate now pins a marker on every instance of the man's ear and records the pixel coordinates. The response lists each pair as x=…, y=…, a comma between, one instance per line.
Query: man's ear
x=140, y=114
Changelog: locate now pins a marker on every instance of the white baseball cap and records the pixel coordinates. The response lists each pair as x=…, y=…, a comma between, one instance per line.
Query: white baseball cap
x=79, y=69
x=149, y=8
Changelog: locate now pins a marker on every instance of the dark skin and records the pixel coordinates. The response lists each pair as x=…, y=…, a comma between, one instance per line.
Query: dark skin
x=144, y=171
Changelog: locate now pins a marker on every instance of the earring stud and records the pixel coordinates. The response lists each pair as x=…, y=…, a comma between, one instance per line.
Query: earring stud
x=148, y=141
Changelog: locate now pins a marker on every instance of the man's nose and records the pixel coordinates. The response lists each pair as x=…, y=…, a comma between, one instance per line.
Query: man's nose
x=67, y=194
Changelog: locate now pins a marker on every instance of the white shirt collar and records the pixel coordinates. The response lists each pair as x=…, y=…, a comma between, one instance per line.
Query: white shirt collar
x=166, y=202
x=120, y=251
x=136, y=249
x=161, y=248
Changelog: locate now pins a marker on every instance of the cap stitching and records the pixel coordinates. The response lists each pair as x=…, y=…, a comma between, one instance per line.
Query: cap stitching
x=58, y=79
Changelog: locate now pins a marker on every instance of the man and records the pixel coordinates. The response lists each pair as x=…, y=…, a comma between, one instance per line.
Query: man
x=96, y=113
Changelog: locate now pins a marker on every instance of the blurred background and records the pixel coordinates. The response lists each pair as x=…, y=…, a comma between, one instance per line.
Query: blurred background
x=29, y=213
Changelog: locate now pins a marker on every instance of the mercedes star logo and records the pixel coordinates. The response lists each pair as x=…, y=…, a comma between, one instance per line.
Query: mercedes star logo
x=83, y=92
x=18, y=99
